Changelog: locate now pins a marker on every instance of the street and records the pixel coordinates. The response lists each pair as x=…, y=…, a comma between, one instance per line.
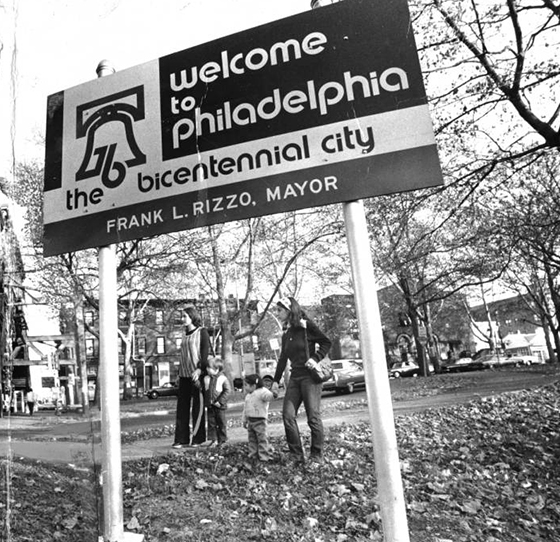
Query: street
x=408, y=394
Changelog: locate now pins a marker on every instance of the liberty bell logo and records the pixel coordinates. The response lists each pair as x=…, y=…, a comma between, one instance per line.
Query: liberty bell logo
x=104, y=122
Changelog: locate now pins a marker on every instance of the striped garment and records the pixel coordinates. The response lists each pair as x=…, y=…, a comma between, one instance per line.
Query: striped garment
x=190, y=353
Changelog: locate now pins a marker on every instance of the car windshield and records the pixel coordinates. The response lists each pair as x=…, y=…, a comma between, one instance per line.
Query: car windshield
x=346, y=365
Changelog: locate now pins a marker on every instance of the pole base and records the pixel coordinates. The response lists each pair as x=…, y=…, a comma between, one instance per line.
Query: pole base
x=127, y=537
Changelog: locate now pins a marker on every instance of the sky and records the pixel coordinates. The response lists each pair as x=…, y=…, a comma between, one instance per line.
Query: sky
x=53, y=45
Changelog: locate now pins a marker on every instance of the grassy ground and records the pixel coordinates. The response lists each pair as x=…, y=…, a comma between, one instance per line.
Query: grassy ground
x=486, y=470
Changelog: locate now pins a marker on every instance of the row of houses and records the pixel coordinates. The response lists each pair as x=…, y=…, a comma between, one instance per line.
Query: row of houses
x=13, y=324
x=154, y=346
x=149, y=347
x=458, y=330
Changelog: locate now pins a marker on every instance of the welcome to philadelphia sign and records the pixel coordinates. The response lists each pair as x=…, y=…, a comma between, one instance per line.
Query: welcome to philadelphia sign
x=323, y=107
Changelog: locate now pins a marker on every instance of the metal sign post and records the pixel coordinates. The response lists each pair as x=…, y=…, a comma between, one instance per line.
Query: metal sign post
x=110, y=408
x=390, y=490
x=111, y=473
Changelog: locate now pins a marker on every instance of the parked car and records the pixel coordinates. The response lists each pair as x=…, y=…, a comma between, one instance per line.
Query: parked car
x=348, y=374
x=462, y=365
x=500, y=360
x=527, y=359
x=169, y=389
x=404, y=368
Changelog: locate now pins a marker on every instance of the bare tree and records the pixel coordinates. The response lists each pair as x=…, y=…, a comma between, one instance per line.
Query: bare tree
x=492, y=74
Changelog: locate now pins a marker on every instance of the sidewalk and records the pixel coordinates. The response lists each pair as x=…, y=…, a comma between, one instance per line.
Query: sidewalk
x=83, y=451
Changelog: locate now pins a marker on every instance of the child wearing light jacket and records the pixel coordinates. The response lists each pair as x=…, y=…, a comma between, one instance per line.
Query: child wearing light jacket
x=216, y=392
x=255, y=417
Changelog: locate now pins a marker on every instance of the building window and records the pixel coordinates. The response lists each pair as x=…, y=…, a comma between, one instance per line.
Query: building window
x=90, y=348
x=141, y=345
x=178, y=317
x=159, y=317
x=88, y=317
x=178, y=342
x=160, y=345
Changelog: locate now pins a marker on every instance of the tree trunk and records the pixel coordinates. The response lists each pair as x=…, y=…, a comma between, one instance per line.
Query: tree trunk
x=420, y=348
x=414, y=321
x=225, y=327
x=549, y=346
x=556, y=339
x=555, y=302
x=127, y=366
x=79, y=349
x=227, y=355
x=433, y=352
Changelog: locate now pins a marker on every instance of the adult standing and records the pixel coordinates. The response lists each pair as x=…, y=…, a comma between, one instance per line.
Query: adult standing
x=30, y=400
x=304, y=344
x=190, y=425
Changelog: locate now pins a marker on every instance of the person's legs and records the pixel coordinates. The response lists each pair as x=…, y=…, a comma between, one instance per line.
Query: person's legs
x=221, y=425
x=311, y=392
x=292, y=402
x=253, y=443
x=198, y=416
x=264, y=451
x=182, y=429
x=212, y=414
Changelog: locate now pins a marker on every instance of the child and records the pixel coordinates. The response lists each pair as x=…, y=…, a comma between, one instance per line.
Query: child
x=216, y=393
x=255, y=417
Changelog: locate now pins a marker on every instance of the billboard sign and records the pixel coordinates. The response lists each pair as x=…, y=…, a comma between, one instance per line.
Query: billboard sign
x=322, y=107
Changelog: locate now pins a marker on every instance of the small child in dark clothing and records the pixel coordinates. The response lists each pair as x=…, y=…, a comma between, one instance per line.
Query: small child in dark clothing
x=216, y=393
x=255, y=417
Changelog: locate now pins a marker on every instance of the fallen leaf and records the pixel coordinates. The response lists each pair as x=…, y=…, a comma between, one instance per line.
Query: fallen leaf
x=471, y=507
x=271, y=524
x=311, y=523
x=69, y=523
x=162, y=469
x=133, y=524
